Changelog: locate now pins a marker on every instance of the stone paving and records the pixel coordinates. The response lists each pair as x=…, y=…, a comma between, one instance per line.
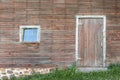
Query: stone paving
x=17, y=72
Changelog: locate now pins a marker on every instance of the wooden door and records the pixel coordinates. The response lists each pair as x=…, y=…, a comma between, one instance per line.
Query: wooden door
x=90, y=42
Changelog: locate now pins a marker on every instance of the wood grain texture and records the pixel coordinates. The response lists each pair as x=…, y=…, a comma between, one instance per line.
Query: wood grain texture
x=90, y=42
x=57, y=21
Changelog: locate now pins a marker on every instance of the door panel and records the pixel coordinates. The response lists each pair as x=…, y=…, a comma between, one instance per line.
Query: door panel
x=90, y=40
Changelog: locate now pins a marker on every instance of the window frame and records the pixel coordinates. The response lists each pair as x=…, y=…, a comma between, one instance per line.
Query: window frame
x=21, y=33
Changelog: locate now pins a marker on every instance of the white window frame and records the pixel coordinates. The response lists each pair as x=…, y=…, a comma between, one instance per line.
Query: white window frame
x=104, y=35
x=21, y=33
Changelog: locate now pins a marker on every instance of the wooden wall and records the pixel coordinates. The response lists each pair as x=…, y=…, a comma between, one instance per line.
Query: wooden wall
x=57, y=21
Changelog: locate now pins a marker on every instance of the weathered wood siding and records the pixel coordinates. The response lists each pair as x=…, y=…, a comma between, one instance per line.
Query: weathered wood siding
x=57, y=21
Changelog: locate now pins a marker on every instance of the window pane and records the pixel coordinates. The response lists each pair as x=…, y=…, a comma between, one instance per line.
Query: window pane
x=30, y=35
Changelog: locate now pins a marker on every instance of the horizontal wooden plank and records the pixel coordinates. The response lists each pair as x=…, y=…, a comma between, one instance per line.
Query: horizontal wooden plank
x=17, y=65
x=39, y=60
x=18, y=5
x=6, y=5
x=63, y=59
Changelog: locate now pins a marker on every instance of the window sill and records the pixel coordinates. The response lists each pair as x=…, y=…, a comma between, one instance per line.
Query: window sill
x=29, y=42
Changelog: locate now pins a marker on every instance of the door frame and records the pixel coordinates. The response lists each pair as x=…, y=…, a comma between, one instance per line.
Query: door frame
x=104, y=35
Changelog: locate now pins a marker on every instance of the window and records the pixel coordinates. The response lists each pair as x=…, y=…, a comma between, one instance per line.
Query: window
x=29, y=34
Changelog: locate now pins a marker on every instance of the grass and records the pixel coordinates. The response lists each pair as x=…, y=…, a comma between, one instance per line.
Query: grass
x=113, y=73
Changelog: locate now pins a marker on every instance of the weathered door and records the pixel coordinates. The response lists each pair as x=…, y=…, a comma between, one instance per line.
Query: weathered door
x=90, y=42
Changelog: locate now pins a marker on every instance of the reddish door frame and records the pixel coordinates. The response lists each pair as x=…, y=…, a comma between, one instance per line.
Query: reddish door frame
x=104, y=35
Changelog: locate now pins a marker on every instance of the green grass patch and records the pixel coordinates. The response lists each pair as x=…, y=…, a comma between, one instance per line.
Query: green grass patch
x=113, y=73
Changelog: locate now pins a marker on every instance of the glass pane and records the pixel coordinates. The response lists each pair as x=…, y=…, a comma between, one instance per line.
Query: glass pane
x=30, y=35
